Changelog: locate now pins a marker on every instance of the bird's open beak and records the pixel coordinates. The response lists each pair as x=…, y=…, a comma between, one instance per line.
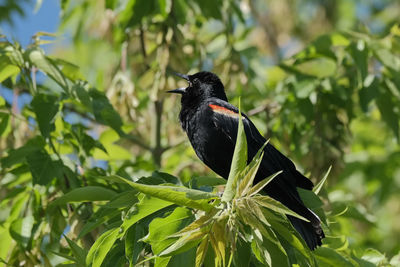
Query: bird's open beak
x=179, y=90
x=183, y=76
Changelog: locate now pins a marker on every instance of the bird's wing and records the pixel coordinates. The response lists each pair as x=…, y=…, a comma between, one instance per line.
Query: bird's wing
x=225, y=118
x=283, y=188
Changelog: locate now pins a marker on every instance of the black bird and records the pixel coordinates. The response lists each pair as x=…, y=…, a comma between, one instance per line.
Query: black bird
x=211, y=124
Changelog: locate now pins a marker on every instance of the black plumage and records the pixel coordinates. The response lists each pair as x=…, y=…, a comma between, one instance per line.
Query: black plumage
x=211, y=124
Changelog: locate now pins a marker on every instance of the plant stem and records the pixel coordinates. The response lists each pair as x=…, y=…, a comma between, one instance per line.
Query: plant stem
x=157, y=149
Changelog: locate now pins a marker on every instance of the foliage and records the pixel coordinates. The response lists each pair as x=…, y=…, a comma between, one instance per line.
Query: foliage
x=88, y=139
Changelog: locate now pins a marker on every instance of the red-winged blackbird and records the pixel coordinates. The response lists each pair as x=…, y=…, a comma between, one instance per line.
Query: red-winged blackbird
x=211, y=124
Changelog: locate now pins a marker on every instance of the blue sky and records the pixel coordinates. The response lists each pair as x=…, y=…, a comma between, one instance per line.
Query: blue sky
x=45, y=19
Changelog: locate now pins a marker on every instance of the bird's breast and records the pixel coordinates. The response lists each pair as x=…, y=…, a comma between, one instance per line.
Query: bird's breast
x=210, y=144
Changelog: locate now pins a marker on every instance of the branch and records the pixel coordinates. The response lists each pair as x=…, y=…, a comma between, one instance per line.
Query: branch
x=135, y=140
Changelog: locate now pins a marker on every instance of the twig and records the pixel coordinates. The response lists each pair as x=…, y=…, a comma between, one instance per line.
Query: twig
x=257, y=110
x=157, y=150
x=137, y=141
x=124, y=55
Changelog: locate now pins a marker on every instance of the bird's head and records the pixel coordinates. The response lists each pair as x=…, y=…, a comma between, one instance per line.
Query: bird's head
x=202, y=85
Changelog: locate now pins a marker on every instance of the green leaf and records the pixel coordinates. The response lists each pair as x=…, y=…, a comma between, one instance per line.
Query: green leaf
x=85, y=194
x=78, y=252
x=260, y=251
x=276, y=252
x=133, y=243
x=291, y=237
x=6, y=242
x=389, y=112
x=263, y=183
x=101, y=247
x=388, y=59
x=242, y=255
x=374, y=256
x=318, y=187
x=251, y=219
x=207, y=181
x=179, y=195
x=45, y=108
x=122, y=200
x=330, y=257
x=369, y=92
x=7, y=69
x=338, y=243
x=239, y=161
x=116, y=256
x=313, y=202
x=4, y=123
x=201, y=252
x=70, y=70
x=395, y=260
x=184, y=243
x=161, y=228
x=104, y=112
x=21, y=230
x=201, y=224
x=147, y=205
x=275, y=205
x=97, y=220
x=36, y=57
x=364, y=263
x=359, y=52
x=186, y=258
x=249, y=173
x=83, y=95
x=14, y=55
x=18, y=155
x=43, y=168
x=305, y=87
x=310, y=199
x=319, y=67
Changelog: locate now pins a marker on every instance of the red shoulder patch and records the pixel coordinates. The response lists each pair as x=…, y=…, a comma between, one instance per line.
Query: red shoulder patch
x=223, y=110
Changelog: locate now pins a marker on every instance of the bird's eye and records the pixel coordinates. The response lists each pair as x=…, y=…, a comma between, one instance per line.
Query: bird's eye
x=195, y=80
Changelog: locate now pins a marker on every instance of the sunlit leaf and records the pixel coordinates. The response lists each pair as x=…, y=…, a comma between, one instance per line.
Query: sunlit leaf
x=318, y=67
x=44, y=64
x=85, y=194
x=263, y=183
x=7, y=69
x=184, y=243
x=318, y=187
x=101, y=247
x=21, y=230
x=201, y=252
x=239, y=162
x=145, y=207
x=179, y=195
x=161, y=228
x=275, y=205
x=249, y=173
x=388, y=59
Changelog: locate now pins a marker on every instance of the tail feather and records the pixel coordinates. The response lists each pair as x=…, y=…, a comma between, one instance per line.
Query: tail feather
x=302, y=181
x=312, y=233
